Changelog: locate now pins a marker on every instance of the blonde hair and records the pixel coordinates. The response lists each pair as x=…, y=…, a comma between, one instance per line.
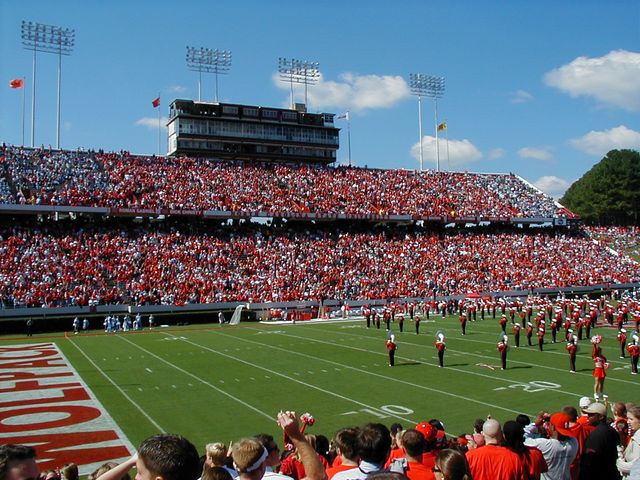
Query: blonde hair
x=217, y=453
x=246, y=453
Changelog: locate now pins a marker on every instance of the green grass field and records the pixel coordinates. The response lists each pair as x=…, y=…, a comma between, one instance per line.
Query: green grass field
x=213, y=383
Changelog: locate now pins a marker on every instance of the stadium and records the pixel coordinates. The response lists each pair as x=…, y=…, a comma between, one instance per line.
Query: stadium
x=244, y=271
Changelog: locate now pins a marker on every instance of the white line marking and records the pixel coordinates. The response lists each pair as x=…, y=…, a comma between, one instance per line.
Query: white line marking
x=309, y=385
x=148, y=370
x=362, y=371
x=115, y=385
x=204, y=382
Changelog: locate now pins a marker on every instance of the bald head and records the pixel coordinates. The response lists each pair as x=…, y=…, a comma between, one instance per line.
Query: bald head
x=491, y=431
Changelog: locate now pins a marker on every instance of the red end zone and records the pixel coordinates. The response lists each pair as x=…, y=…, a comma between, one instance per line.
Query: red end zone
x=45, y=403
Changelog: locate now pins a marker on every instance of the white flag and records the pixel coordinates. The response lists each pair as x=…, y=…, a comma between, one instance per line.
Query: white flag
x=342, y=116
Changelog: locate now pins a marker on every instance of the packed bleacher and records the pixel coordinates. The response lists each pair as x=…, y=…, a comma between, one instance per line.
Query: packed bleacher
x=61, y=263
x=122, y=180
x=621, y=239
x=590, y=441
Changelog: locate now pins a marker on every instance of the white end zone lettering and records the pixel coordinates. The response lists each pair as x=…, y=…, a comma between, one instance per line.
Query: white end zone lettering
x=46, y=404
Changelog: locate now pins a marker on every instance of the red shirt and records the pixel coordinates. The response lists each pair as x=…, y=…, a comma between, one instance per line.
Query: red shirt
x=493, y=462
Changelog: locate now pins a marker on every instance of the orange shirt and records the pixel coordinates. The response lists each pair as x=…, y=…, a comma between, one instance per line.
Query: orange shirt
x=492, y=462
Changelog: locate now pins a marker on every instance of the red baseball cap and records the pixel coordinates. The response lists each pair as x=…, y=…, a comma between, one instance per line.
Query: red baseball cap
x=427, y=430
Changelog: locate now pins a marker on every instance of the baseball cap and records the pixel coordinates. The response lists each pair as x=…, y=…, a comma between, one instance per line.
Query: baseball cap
x=561, y=422
x=427, y=430
x=585, y=402
x=598, y=408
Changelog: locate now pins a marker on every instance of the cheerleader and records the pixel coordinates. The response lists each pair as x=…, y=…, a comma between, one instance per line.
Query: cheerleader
x=600, y=365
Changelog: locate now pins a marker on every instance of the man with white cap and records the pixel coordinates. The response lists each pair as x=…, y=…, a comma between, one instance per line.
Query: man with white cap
x=559, y=450
x=583, y=419
x=599, y=453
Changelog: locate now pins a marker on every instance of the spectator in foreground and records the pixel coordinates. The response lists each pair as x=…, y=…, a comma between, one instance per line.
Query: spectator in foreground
x=493, y=460
x=559, y=450
x=18, y=462
x=451, y=465
x=374, y=445
x=600, y=447
x=161, y=457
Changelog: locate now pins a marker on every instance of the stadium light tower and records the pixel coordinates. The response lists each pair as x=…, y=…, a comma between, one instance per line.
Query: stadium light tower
x=298, y=71
x=427, y=86
x=209, y=61
x=47, y=39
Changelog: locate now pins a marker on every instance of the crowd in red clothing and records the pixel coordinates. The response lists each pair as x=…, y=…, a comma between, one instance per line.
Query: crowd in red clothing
x=591, y=442
x=60, y=264
x=121, y=180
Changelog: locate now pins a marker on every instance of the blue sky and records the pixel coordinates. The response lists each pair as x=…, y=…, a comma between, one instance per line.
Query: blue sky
x=539, y=88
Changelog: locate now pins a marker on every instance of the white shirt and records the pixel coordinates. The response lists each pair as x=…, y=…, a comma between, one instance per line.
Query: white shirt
x=558, y=455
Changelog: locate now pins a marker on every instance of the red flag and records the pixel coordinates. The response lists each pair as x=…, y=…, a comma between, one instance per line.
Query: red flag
x=156, y=103
x=17, y=83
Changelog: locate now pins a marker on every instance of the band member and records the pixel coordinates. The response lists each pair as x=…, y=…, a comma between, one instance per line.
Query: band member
x=376, y=317
x=503, y=348
x=622, y=339
x=516, y=334
x=400, y=319
x=441, y=346
x=529, y=332
x=416, y=319
x=386, y=315
x=600, y=365
x=554, y=329
x=503, y=323
x=540, y=338
x=634, y=351
x=587, y=325
x=463, y=323
x=366, y=311
x=579, y=327
x=392, y=346
x=572, y=348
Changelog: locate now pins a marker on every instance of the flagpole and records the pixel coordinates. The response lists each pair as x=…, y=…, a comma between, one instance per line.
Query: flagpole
x=349, y=136
x=159, y=127
x=437, y=141
x=447, y=137
x=23, y=107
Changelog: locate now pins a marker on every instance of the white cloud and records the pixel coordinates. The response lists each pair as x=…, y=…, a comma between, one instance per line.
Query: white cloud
x=176, y=89
x=352, y=92
x=599, y=143
x=552, y=185
x=152, y=122
x=536, y=153
x=461, y=152
x=521, y=97
x=612, y=79
x=496, y=153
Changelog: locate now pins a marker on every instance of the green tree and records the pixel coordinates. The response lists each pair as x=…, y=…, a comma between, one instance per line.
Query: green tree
x=609, y=193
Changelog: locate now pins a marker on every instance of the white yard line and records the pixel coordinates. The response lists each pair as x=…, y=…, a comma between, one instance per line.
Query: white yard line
x=201, y=380
x=324, y=390
x=115, y=385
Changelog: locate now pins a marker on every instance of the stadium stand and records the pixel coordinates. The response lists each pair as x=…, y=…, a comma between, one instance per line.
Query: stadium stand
x=62, y=263
x=121, y=180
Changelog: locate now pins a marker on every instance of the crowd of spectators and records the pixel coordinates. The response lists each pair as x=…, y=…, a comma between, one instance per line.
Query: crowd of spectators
x=56, y=263
x=571, y=444
x=621, y=239
x=122, y=180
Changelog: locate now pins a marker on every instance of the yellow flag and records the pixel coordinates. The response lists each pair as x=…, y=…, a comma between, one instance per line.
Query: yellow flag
x=442, y=126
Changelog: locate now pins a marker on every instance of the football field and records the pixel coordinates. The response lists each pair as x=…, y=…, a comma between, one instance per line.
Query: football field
x=220, y=383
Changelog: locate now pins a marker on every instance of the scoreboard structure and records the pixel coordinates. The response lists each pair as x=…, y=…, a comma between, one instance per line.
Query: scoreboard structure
x=251, y=133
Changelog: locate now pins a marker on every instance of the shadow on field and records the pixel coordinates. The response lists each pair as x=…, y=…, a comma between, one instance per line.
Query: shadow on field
x=520, y=366
x=407, y=364
x=456, y=365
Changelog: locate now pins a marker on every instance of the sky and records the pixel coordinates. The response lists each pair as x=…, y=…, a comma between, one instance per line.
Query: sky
x=543, y=89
